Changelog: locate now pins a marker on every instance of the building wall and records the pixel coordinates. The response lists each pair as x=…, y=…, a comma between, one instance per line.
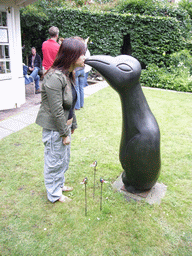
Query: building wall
x=12, y=86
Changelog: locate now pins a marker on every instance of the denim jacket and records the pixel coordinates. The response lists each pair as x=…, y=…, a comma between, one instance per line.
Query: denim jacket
x=57, y=99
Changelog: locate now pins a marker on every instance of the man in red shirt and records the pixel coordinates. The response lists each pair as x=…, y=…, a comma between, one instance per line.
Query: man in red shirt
x=50, y=48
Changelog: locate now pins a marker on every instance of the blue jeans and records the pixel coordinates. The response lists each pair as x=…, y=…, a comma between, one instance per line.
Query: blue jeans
x=79, y=79
x=33, y=76
x=56, y=157
x=86, y=76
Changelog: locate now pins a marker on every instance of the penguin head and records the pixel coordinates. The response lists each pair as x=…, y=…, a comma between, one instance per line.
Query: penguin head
x=121, y=72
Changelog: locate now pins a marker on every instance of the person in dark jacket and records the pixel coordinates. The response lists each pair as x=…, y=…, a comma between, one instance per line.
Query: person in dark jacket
x=34, y=60
x=34, y=66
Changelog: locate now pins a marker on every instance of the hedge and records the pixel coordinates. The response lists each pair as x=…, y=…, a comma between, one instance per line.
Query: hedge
x=152, y=39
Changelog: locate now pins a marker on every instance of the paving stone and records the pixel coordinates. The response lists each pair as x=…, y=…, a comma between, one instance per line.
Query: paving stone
x=89, y=90
x=4, y=133
x=12, y=125
x=25, y=118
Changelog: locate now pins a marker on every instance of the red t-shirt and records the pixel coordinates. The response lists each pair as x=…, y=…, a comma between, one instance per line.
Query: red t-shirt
x=50, y=49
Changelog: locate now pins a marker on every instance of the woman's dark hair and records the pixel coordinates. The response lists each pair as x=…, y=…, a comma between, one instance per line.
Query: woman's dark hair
x=69, y=52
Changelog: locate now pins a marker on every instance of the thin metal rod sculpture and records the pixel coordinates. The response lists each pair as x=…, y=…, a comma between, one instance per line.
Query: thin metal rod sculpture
x=94, y=165
x=85, y=182
x=140, y=140
x=101, y=196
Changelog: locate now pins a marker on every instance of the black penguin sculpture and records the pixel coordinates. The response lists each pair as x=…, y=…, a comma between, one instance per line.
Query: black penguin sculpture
x=140, y=141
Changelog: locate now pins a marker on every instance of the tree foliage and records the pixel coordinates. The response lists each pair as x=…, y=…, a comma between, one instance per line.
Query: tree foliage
x=158, y=8
x=186, y=5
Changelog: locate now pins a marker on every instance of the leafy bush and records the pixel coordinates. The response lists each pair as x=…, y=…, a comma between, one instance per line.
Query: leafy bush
x=33, y=27
x=186, y=5
x=157, y=8
x=34, y=20
x=152, y=39
x=136, y=6
x=182, y=58
x=178, y=76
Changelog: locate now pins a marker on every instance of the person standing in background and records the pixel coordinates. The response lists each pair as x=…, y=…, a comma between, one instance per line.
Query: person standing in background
x=79, y=82
x=87, y=68
x=50, y=48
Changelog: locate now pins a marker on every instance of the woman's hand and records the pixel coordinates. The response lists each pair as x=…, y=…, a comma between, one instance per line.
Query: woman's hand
x=31, y=69
x=66, y=140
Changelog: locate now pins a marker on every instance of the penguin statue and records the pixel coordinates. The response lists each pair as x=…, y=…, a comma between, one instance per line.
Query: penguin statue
x=140, y=141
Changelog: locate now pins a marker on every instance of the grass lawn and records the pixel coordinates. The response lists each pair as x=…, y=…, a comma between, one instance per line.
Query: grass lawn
x=31, y=225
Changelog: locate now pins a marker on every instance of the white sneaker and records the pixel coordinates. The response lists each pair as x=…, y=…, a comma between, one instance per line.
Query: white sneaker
x=67, y=189
x=64, y=199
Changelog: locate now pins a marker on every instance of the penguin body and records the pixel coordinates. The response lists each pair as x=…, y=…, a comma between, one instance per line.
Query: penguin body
x=140, y=141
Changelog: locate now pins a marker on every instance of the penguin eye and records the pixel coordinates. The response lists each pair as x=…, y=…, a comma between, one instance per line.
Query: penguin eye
x=124, y=67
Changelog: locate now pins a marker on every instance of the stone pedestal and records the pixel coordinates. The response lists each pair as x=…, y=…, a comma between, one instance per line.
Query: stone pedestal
x=154, y=195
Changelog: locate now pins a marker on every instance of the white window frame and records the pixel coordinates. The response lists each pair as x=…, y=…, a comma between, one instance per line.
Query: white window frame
x=5, y=61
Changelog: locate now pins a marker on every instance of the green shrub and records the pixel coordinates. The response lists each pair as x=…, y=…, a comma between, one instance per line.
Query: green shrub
x=34, y=29
x=178, y=78
x=186, y=5
x=135, y=6
x=152, y=39
x=157, y=8
x=181, y=58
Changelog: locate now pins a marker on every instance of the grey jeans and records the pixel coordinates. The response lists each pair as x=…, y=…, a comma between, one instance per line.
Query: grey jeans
x=56, y=157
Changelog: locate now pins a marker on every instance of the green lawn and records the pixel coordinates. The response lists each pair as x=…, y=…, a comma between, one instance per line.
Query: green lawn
x=31, y=225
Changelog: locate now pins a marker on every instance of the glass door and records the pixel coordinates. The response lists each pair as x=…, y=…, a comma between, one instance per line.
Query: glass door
x=5, y=62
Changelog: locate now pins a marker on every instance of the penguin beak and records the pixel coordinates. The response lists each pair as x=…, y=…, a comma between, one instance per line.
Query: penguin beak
x=104, y=64
x=116, y=70
x=100, y=62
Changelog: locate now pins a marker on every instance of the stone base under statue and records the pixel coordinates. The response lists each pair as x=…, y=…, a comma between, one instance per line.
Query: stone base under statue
x=154, y=195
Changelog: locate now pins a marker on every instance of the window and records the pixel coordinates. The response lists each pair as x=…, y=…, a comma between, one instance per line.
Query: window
x=5, y=62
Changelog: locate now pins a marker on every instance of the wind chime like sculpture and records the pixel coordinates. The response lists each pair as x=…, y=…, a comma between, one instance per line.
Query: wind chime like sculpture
x=140, y=141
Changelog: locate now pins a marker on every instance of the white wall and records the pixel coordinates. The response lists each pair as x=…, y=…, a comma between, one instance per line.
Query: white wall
x=12, y=87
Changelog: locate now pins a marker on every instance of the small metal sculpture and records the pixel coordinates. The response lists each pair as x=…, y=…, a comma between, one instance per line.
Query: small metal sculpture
x=94, y=164
x=85, y=182
x=140, y=141
x=101, y=196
